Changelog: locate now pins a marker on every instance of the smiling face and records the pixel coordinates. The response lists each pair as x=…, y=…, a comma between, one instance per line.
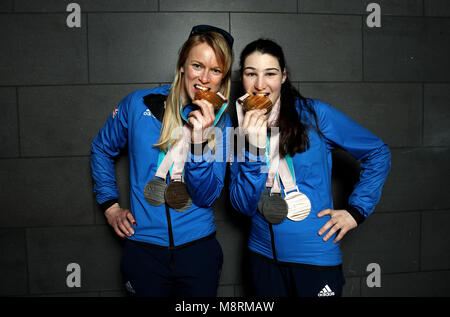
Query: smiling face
x=262, y=75
x=201, y=71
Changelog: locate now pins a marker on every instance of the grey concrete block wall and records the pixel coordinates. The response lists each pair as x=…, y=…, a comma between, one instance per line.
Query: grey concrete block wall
x=389, y=7
x=59, y=84
x=139, y=45
x=9, y=147
x=371, y=106
x=38, y=49
x=335, y=57
x=407, y=49
x=436, y=115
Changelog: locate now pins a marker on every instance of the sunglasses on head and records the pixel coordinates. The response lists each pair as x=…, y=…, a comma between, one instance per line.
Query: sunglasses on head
x=203, y=28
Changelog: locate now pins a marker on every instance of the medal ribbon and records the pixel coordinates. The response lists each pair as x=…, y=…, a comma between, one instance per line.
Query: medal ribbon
x=275, y=163
x=175, y=158
x=281, y=170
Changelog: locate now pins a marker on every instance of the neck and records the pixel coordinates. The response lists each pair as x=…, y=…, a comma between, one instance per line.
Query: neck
x=185, y=100
x=184, y=96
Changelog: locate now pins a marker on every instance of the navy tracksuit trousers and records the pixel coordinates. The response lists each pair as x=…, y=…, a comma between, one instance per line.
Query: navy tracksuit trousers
x=188, y=271
x=275, y=279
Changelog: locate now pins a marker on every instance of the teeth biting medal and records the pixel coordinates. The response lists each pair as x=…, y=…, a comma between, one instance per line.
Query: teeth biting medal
x=257, y=101
x=214, y=98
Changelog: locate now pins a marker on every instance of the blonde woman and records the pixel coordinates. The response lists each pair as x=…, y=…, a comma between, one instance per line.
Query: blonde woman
x=171, y=249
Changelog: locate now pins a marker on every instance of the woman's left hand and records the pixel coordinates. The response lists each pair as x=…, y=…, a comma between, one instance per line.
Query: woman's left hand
x=201, y=120
x=340, y=220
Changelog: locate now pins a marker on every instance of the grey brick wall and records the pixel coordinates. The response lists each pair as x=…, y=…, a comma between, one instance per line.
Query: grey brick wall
x=59, y=84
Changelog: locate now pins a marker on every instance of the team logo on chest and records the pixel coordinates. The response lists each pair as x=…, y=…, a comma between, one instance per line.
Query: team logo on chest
x=148, y=113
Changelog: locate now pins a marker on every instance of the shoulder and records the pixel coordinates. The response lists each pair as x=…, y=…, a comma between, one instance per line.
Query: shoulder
x=154, y=99
x=308, y=107
x=139, y=95
x=160, y=92
x=314, y=104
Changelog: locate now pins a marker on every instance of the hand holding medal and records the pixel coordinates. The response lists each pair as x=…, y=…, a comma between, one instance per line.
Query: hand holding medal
x=257, y=101
x=255, y=120
x=204, y=118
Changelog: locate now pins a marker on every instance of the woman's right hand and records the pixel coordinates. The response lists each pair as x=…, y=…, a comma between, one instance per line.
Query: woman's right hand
x=255, y=127
x=120, y=219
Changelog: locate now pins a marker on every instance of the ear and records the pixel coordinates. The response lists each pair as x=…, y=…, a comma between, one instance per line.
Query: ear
x=283, y=79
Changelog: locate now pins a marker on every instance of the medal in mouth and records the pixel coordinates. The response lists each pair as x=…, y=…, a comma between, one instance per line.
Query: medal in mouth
x=258, y=101
x=214, y=98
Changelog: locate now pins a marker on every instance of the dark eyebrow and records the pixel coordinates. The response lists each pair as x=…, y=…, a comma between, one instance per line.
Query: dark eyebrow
x=267, y=69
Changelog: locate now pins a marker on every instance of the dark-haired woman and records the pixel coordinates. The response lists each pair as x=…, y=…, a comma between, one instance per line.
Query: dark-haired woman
x=283, y=181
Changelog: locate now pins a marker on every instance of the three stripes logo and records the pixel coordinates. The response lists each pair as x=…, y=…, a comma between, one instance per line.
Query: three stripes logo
x=148, y=113
x=325, y=292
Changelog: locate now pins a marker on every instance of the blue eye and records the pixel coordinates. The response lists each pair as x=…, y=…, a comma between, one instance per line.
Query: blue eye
x=196, y=66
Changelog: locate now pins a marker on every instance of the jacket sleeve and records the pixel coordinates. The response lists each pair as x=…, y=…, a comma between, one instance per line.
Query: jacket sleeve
x=205, y=174
x=111, y=138
x=366, y=147
x=248, y=173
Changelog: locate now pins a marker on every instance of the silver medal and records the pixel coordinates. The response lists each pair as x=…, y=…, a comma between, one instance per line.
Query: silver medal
x=154, y=192
x=299, y=205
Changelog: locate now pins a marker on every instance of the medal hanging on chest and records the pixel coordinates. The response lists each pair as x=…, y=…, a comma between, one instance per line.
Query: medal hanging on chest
x=275, y=208
x=299, y=205
x=154, y=192
x=175, y=194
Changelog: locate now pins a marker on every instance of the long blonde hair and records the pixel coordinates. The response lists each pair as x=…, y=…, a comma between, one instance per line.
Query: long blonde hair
x=172, y=117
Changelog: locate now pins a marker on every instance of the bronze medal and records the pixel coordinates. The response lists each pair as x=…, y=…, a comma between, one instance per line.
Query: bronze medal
x=275, y=209
x=177, y=196
x=154, y=192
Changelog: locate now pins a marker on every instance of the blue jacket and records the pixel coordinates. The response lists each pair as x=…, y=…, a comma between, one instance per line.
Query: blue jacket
x=135, y=124
x=299, y=242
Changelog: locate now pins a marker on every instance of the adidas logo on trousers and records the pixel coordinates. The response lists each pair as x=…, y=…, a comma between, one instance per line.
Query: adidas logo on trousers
x=326, y=291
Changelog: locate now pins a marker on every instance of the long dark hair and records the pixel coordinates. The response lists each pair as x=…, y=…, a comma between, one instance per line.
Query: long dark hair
x=293, y=133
